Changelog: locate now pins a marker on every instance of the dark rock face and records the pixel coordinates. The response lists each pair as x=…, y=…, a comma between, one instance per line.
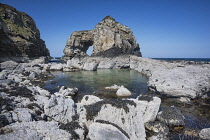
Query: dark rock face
x=109, y=38
x=19, y=36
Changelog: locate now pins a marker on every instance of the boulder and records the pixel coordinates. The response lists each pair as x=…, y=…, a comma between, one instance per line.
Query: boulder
x=65, y=91
x=171, y=116
x=122, y=92
x=99, y=131
x=157, y=127
x=149, y=106
x=126, y=115
x=19, y=37
x=35, y=130
x=109, y=38
x=60, y=108
x=205, y=133
x=89, y=99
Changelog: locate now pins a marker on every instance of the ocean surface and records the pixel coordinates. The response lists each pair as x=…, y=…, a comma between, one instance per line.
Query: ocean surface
x=184, y=59
x=56, y=59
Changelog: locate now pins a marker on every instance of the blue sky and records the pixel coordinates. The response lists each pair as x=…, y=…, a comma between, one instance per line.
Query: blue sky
x=163, y=28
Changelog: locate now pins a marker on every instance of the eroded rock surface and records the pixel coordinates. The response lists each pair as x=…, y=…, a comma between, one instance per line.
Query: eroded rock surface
x=109, y=38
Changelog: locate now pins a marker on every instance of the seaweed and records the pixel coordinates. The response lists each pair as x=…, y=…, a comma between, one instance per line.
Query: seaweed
x=93, y=109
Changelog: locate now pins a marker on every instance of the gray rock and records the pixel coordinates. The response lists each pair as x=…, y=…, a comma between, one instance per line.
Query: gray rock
x=122, y=92
x=173, y=80
x=125, y=114
x=171, y=116
x=90, y=66
x=158, y=136
x=149, y=107
x=21, y=114
x=57, y=66
x=3, y=76
x=205, y=133
x=109, y=38
x=36, y=130
x=65, y=91
x=5, y=82
x=60, y=108
x=32, y=76
x=98, y=131
x=113, y=87
x=157, y=127
x=89, y=99
x=9, y=65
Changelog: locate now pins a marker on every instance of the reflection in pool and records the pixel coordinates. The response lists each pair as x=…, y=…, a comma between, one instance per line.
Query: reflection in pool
x=89, y=82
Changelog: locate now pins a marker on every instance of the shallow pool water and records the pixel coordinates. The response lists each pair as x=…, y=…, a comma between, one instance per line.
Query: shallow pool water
x=94, y=82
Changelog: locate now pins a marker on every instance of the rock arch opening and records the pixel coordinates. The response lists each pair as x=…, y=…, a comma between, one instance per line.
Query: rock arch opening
x=89, y=51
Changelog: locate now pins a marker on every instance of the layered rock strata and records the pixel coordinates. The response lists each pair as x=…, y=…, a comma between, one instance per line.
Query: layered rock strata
x=19, y=35
x=109, y=38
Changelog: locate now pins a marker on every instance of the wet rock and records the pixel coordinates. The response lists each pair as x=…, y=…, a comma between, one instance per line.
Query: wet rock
x=205, y=133
x=89, y=99
x=3, y=120
x=114, y=87
x=60, y=108
x=122, y=92
x=98, y=131
x=34, y=131
x=157, y=127
x=2, y=76
x=171, y=116
x=65, y=91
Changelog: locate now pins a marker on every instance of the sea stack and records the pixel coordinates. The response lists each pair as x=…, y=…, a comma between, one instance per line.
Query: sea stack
x=19, y=37
x=109, y=39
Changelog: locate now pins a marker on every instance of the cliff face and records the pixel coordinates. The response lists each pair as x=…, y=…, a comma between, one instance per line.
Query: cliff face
x=109, y=38
x=19, y=35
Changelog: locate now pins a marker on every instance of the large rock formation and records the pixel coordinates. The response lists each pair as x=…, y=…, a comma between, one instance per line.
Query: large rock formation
x=109, y=38
x=19, y=35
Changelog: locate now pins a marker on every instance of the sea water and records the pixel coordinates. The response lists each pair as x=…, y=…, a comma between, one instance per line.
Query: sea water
x=94, y=82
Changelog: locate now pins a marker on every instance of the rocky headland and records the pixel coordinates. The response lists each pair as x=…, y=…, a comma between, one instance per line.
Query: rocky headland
x=28, y=111
x=19, y=38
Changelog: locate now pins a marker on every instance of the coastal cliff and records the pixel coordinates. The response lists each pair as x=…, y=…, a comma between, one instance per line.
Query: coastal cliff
x=109, y=38
x=19, y=35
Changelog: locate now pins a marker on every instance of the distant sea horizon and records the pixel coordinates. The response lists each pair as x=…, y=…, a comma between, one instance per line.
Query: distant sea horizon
x=174, y=59
x=184, y=59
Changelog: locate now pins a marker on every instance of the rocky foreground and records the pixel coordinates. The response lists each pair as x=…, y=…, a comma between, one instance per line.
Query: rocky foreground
x=30, y=112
